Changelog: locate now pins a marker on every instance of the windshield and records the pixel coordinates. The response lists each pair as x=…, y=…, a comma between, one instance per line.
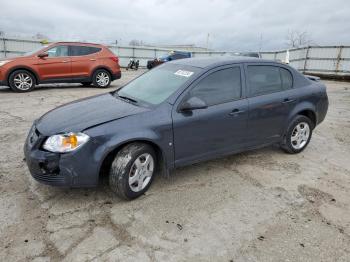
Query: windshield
x=35, y=50
x=158, y=84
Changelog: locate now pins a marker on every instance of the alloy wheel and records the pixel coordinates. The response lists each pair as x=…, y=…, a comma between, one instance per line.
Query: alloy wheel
x=23, y=81
x=102, y=79
x=300, y=135
x=141, y=172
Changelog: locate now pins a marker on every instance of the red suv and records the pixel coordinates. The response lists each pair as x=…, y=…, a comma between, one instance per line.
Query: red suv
x=61, y=62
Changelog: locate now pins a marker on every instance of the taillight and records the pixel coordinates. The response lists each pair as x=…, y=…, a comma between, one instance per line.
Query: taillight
x=115, y=59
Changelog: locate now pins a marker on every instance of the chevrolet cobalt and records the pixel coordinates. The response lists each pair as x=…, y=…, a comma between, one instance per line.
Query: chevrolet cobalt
x=179, y=113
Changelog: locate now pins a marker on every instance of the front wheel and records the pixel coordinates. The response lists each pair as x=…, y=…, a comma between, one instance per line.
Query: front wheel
x=101, y=78
x=298, y=135
x=132, y=170
x=22, y=81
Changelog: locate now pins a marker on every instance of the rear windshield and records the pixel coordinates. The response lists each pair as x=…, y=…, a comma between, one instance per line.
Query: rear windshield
x=158, y=84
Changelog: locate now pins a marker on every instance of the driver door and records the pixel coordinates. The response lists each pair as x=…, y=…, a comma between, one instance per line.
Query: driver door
x=57, y=65
x=220, y=128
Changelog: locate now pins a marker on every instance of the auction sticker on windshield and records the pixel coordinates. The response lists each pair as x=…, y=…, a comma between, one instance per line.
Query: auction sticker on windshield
x=183, y=73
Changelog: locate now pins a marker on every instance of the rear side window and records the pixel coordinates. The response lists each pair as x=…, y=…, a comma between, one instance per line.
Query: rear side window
x=287, y=79
x=83, y=50
x=268, y=79
x=219, y=87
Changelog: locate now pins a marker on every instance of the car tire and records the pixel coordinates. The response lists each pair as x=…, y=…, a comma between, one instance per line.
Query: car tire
x=22, y=81
x=132, y=170
x=298, y=135
x=86, y=84
x=101, y=78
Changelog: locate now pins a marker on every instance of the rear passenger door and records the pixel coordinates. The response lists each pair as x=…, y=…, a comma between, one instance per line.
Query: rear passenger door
x=269, y=102
x=83, y=59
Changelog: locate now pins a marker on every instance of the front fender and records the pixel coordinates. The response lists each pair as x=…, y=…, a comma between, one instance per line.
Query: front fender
x=23, y=67
x=111, y=143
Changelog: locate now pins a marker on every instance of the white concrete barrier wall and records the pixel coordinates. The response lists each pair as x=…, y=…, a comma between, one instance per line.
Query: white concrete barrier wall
x=331, y=60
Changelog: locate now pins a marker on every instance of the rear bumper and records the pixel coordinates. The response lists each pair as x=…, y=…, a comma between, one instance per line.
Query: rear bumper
x=322, y=109
x=117, y=75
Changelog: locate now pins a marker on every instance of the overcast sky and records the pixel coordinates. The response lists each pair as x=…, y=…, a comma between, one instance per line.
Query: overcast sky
x=239, y=25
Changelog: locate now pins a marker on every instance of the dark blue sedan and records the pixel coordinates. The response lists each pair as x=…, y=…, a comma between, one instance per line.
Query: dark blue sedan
x=179, y=113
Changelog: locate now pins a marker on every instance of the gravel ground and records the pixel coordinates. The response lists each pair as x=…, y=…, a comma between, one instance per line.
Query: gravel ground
x=262, y=205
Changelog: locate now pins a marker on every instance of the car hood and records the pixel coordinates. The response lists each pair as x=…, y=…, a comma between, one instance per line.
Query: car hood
x=15, y=58
x=82, y=114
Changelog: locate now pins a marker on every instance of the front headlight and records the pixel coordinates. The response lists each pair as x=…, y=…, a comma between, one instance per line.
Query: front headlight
x=4, y=62
x=65, y=142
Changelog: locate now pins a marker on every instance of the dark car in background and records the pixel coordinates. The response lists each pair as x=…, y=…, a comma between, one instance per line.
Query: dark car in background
x=179, y=113
x=249, y=54
x=61, y=62
x=174, y=55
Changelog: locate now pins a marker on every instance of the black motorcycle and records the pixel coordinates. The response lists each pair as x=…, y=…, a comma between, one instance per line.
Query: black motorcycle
x=133, y=64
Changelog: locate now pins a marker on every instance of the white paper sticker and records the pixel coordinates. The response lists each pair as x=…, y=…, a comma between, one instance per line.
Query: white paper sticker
x=183, y=73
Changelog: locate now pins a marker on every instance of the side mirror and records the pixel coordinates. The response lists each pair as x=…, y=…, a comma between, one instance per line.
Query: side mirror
x=192, y=104
x=43, y=55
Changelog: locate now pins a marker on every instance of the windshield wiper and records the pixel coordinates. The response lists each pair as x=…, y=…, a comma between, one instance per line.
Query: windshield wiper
x=127, y=98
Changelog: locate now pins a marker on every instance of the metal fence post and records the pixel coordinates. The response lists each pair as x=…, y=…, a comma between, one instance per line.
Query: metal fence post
x=5, y=51
x=306, y=58
x=339, y=57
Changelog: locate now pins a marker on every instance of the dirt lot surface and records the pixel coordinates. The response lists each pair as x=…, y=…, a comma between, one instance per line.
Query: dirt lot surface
x=262, y=205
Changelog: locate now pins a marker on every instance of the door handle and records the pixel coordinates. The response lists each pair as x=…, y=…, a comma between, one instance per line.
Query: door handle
x=65, y=61
x=287, y=100
x=235, y=112
x=92, y=59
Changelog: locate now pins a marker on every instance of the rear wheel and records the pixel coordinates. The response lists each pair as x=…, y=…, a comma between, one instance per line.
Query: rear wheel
x=298, y=135
x=132, y=170
x=101, y=78
x=22, y=81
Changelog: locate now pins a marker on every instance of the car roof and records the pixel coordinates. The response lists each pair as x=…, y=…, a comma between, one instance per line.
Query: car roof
x=205, y=62
x=77, y=43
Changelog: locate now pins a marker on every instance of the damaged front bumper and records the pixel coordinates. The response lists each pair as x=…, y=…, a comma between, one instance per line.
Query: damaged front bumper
x=74, y=169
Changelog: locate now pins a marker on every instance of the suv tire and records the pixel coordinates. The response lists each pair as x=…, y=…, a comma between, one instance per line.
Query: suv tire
x=101, y=78
x=132, y=170
x=22, y=81
x=298, y=135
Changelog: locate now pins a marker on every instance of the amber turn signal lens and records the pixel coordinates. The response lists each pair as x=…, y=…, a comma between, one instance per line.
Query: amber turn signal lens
x=70, y=141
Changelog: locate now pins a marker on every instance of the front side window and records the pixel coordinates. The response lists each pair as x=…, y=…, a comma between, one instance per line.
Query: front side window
x=219, y=87
x=83, y=50
x=268, y=79
x=58, y=51
x=158, y=84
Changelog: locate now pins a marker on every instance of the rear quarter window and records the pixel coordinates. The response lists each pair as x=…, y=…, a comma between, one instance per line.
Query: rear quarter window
x=83, y=50
x=287, y=78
